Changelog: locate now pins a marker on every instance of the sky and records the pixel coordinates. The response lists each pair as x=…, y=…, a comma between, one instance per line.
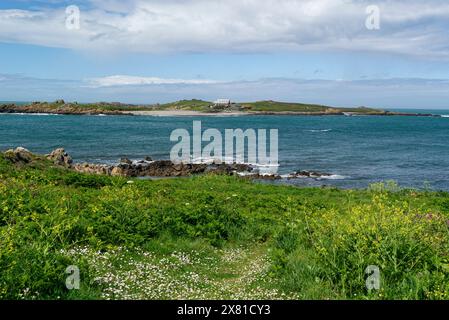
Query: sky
x=378, y=53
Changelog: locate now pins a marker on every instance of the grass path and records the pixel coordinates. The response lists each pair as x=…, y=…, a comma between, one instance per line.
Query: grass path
x=230, y=273
x=247, y=270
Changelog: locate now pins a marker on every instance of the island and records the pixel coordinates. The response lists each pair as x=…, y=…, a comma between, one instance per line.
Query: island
x=195, y=107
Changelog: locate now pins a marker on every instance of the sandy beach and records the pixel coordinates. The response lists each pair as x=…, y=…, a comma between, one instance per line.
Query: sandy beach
x=184, y=113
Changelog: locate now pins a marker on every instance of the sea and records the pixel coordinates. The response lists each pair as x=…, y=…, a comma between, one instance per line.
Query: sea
x=356, y=151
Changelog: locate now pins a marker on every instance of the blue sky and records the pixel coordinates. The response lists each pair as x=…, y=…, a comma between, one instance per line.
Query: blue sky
x=155, y=51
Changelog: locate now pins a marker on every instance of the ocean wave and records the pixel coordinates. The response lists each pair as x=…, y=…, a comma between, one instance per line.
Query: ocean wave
x=245, y=174
x=324, y=177
x=319, y=130
x=211, y=160
x=444, y=116
x=333, y=177
x=29, y=114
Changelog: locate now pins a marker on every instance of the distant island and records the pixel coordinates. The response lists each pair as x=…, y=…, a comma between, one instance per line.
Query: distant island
x=194, y=107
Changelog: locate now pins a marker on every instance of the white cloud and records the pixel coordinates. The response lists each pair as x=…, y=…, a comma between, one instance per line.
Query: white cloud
x=123, y=80
x=409, y=27
x=383, y=93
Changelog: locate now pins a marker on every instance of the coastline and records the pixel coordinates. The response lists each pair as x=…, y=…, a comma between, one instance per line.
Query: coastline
x=193, y=113
x=186, y=108
x=184, y=113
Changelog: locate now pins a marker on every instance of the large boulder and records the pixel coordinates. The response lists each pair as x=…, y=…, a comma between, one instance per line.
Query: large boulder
x=118, y=171
x=125, y=160
x=19, y=155
x=60, y=157
x=92, y=168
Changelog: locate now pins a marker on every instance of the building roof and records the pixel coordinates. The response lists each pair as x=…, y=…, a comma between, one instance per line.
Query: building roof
x=222, y=101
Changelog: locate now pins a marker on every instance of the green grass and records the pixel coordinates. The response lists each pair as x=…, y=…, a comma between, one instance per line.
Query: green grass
x=194, y=105
x=191, y=105
x=275, y=106
x=215, y=237
x=75, y=108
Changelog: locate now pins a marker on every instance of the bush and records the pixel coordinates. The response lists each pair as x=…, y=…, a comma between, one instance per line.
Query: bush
x=32, y=271
x=409, y=246
x=86, y=180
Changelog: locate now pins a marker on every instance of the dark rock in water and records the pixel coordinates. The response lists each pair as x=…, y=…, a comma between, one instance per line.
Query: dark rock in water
x=60, y=157
x=308, y=174
x=225, y=168
x=259, y=176
x=125, y=160
x=240, y=167
x=295, y=175
x=147, y=158
x=163, y=168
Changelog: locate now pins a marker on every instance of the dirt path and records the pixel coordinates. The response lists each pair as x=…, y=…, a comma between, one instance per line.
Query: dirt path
x=231, y=273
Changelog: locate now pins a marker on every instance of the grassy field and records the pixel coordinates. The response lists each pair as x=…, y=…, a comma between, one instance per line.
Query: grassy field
x=215, y=237
x=194, y=105
x=72, y=108
x=275, y=106
x=265, y=106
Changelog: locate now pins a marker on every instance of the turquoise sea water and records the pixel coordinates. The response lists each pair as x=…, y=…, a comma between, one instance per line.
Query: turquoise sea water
x=356, y=150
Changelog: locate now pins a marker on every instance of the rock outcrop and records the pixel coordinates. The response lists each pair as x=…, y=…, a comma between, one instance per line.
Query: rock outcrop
x=294, y=175
x=259, y=176
x=19, y=155
x=60, y=157
x=93, y=168
x=308, y=174
x=159, y=168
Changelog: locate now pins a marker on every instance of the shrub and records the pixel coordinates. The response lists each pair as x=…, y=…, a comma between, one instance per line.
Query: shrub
x=403, y=242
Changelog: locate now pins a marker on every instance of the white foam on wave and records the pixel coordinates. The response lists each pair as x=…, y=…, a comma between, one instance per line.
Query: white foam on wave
x=207, y=160
x=245, y=174
x=333, y=177
x=330, y=177
x=211, y=160
x=319, y=130
x=29, y=114
x=444, y=116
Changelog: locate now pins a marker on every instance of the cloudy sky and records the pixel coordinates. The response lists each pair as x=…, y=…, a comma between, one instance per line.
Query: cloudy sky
x=144, y=51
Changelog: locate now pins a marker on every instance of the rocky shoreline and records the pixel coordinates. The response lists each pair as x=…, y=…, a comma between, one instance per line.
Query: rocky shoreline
x=153, y=168
x=159, y=168
x=60, y=107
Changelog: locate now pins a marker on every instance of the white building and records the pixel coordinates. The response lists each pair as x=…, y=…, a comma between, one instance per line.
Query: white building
x=222, y=103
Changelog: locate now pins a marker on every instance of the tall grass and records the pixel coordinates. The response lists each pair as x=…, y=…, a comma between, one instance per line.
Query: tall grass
x=319, y=241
